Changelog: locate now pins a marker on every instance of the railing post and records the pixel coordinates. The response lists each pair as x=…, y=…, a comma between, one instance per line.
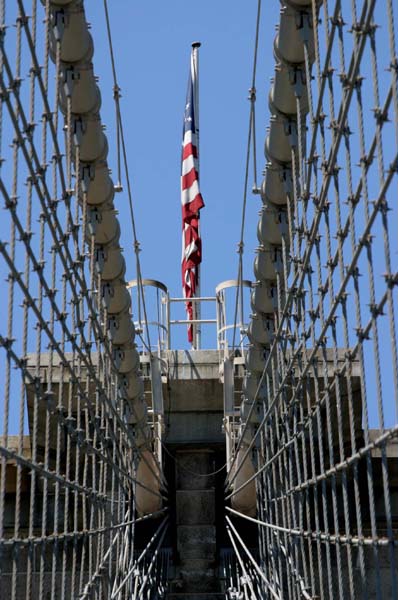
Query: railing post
x=218, y=321
x=229, y=406
x=157, y=403
x=168, y=332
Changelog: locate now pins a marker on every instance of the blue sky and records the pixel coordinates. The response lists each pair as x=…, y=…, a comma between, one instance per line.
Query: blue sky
x=152, y=42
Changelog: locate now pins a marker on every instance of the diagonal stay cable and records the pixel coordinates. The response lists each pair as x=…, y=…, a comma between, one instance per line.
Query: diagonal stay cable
x=115, y=539
x=251, y=558
x=139, y=559
x=151, y=565
x=246, y=579
x=121, y=149
x=251, y=141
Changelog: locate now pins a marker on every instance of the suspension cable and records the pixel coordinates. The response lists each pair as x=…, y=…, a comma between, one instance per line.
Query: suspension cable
x=139, y=559
x=251, y=558
x=247, y=579
x=182, y=468
x=251, y=148
x=121, y=150
x=355, y=540
x=300, y=274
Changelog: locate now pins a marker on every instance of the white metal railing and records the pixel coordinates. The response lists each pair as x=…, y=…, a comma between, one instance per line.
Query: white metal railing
x=153, y=331
x=155, y=328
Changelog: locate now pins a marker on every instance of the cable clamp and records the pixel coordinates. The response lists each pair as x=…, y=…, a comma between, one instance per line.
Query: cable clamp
x=116, y=92
x=252, y=94
x=58, y=24
x=391, y=280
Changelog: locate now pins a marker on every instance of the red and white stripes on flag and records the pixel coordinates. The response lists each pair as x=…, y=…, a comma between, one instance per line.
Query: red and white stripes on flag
x=191, y=198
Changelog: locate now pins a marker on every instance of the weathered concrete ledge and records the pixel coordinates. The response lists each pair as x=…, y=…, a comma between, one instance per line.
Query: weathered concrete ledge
x=193, y=397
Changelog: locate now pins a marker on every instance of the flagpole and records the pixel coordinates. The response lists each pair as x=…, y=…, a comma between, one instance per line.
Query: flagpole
x=197, y=308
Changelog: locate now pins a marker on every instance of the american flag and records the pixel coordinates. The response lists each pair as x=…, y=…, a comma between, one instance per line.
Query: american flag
x=191, y=198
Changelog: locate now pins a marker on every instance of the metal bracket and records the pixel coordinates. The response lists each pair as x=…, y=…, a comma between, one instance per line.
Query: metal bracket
x=229, y=388
x=156, y=383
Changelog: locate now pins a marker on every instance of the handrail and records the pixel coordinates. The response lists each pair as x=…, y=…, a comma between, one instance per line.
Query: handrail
x=163, y=321
x=148, y=282
x=195, y=299
x=233, y=283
